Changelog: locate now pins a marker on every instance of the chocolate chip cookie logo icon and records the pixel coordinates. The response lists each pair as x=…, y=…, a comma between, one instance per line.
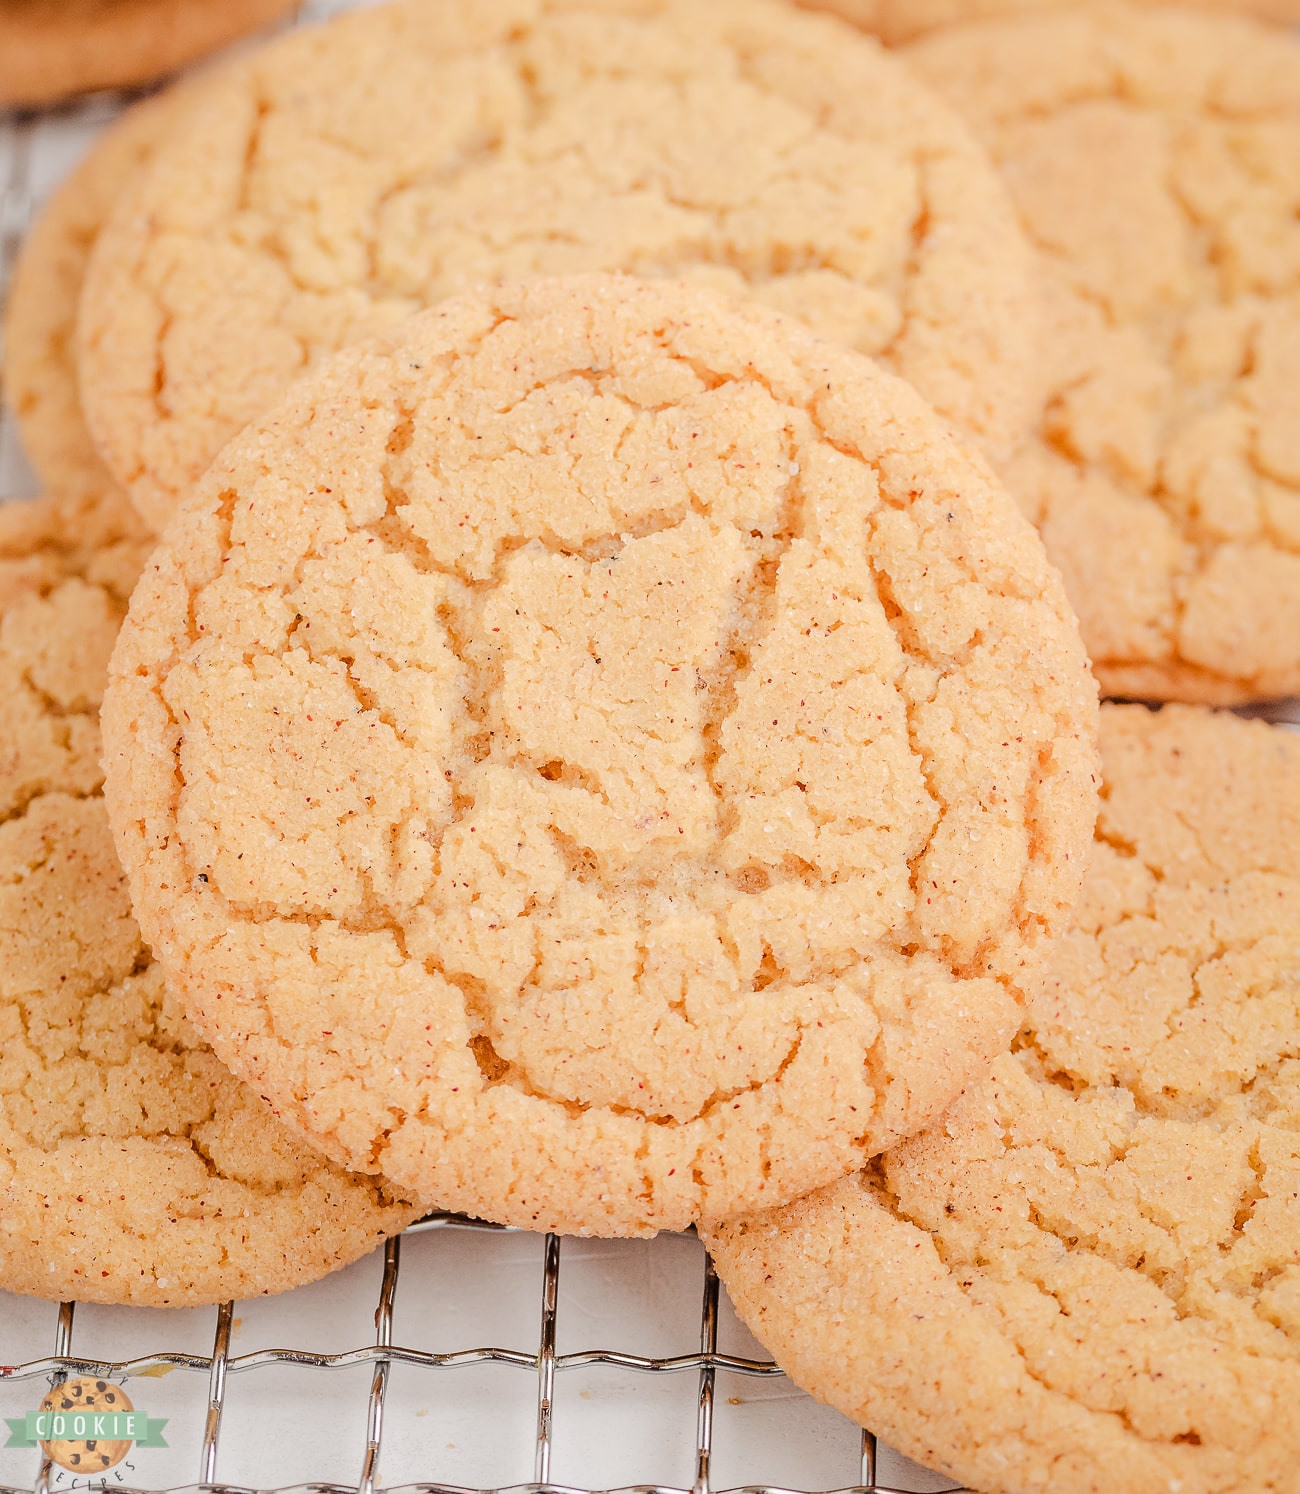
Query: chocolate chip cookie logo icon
x=86, y=1426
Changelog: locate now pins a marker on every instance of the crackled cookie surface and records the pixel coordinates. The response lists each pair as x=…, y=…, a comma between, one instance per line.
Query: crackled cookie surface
x=40, y=372
x=1086, y=1275
x=133, y=1167
x=50, y=49
x=601, y=752
x=1154, y=158
x=901, y=20
x=352, y=174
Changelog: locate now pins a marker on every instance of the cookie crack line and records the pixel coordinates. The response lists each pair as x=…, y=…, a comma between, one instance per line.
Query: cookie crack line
x=700, y=251
x=105, y=1081
x=1203, y=442
x=885, y=1200
x=445, y=633
x=1058, y=1227
x=509, y=107
x=1030, y=1038
x=1118, y=1268
x=25, y=803
x=415, y=549
x=969, y=1272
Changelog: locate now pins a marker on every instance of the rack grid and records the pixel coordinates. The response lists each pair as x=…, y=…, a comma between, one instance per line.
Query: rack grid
x=37, y=149
x=383, y=1354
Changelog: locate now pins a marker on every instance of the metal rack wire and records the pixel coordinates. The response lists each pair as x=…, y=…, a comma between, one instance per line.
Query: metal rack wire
x=383, y=1354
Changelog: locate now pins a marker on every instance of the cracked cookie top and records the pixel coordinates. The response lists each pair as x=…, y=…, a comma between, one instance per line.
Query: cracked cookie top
x=1086, y=1275
x=600, y=752
x=1155, y=160
x=133, y=1167
x=349, y=175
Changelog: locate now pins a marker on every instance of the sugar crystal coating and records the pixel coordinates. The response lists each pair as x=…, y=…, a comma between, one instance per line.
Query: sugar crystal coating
x=1084, y=1277
x=598, y=751
x=348, y=175
x=133, y=1167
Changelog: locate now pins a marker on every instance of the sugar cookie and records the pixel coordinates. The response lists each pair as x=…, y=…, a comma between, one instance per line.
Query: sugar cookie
x=600, y=752
x=348, y=175
x=133, y=1167
x=1086, y=1277
x=898, y=21
x=51, y=49
x=40, y=373
x=1153, y=156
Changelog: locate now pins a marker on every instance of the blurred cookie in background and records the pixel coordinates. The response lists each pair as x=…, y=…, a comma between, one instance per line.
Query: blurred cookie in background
x=53, y=49
x=40, y=373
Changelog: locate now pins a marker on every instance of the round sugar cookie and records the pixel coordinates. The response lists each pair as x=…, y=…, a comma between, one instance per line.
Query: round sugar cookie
x=51, y=49
x=1153, y=157
x=347, y=176
x=133, y=1167
x=625, y=760
x=1086, y=1275
x=40, y=372
x=896, y=21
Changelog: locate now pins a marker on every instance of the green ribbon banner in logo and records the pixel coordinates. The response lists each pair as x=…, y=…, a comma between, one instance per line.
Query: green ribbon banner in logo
x=82, y=1425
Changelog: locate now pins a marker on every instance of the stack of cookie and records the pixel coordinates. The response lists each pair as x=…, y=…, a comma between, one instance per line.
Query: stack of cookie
x=599, y=745
x=134, y=1167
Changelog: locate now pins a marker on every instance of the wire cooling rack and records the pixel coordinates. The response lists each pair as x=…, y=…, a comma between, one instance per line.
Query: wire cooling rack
x=532, y=1426
x=693, y=1407
x=378, y=1393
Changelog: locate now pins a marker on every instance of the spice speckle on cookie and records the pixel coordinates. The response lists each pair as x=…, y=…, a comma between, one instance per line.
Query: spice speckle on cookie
x=133, y=1167
x=351, y=174
x=1085, y=1276
x=599, y=752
